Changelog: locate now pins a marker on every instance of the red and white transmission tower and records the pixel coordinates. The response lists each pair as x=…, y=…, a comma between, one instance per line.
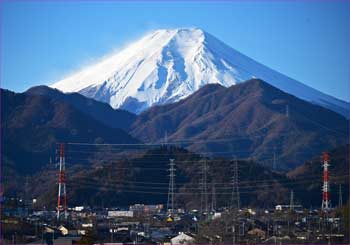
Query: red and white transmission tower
x=62, y=185
x=326, y=203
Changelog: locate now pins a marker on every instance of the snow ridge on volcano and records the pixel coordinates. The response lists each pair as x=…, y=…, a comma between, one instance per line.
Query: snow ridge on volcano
x=168, y=65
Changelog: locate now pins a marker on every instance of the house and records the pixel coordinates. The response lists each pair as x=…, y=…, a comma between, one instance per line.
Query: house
x=120, y=213
x=257, y=233
x=63, y=230
x=182, y=238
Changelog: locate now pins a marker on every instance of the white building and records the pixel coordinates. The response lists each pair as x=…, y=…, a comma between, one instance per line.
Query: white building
x=120, y=214
x=63, y=230
x=182, y=238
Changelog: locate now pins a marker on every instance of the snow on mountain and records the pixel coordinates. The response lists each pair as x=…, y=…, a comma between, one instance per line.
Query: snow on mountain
x=168, y=65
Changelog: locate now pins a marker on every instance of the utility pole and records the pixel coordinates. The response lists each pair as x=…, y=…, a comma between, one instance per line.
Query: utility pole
x=111, y=229
x=340, y=200
x=274, y=165
x=234, y=233
x=213, y=197
x=26, y=196
x=62, y=185
x=291, y=204
x=170, y=202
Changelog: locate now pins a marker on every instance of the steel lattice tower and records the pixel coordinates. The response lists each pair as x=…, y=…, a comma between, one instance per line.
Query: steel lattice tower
x=170, y=202
x=287, y=110
x=326, y=203
x=62, y=185
x=235, y=199
x=204, y=187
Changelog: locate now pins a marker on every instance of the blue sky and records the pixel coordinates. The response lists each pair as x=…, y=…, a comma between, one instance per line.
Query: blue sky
x=42, y=42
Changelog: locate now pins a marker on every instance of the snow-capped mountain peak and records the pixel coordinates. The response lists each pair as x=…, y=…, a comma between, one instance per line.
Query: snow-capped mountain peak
x=170, y=64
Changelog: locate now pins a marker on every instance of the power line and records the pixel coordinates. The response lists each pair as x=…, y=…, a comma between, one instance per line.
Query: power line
x=182, y=141
x=110, y=187
x=136, y=159
x=244, y=184
x=145, y=152
x=323, y=126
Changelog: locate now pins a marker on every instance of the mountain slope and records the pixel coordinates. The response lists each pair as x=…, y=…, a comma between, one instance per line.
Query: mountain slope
x=31, y=126
x=166, y=66
x=251, y=119
x=102, y=112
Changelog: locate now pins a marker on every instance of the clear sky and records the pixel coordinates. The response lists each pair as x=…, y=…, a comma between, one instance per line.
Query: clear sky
x=42, y=42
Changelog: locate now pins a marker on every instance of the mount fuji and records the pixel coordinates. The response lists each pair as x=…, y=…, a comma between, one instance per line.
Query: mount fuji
x=168, y=65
